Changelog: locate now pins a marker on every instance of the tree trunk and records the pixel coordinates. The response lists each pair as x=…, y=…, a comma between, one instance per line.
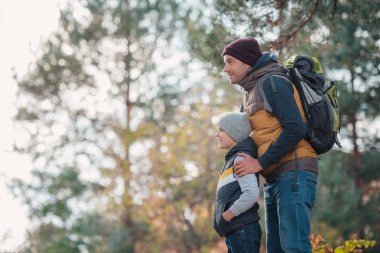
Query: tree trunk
x=356, y=157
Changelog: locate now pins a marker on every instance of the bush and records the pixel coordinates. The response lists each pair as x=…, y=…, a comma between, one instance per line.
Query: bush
x=320, y=245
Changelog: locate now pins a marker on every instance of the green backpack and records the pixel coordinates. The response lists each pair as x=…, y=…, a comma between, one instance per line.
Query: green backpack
x=319, y=101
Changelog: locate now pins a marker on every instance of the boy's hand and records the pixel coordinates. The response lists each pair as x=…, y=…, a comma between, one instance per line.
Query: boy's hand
x=248, y=165
x=228, y=215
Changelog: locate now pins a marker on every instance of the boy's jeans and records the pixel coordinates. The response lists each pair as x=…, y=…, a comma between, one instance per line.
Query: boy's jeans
x=288, y=202
x=245, y=240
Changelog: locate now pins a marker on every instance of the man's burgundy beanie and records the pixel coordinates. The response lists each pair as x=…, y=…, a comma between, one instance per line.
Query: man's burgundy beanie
x=246, y=50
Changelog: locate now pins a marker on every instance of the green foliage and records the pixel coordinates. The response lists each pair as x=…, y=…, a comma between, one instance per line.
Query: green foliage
x=337, y=190
x=58, y=240
x=91, y=233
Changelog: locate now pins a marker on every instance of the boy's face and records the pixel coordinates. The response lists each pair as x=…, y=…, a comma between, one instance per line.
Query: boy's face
x=224, y=140
x=235, y=68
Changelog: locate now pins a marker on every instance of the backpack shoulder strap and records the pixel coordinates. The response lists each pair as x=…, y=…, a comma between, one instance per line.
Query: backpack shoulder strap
x=271, y=77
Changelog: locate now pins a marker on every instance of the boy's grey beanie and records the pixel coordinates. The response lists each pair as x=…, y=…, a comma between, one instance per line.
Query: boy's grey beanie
x=236, y=124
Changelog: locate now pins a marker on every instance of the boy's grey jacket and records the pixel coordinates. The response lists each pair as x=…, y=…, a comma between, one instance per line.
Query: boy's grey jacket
x=227, y=194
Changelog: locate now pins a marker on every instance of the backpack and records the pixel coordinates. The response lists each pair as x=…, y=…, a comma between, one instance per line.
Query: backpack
x=319, y=101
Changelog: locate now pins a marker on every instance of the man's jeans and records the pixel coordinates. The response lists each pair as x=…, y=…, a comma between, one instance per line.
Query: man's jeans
x=288, y=202
x=245, y=240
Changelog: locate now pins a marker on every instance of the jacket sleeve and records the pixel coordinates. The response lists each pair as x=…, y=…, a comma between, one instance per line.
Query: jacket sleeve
x=250, y=192
x=284, y=107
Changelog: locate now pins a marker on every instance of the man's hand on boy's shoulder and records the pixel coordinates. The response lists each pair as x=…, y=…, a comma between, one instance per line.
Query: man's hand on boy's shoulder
x=248, y=165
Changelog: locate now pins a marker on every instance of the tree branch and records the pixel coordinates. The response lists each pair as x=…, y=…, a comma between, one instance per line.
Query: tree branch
x=284, y=40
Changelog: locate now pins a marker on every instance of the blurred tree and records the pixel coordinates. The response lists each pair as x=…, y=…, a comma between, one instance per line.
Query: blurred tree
x=124, y=154
x=87, y=108
x=276, y=24
x=351, y=56
x=187, y=169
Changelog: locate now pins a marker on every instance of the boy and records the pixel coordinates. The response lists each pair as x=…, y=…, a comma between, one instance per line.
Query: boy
x=236, y=216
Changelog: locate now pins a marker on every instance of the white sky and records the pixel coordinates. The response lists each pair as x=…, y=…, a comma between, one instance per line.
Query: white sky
x=23, y=23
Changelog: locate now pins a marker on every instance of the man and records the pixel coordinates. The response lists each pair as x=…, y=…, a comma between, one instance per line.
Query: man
x=285, y=159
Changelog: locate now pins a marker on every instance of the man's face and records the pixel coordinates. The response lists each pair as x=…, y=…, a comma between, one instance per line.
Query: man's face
x=235, y=68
